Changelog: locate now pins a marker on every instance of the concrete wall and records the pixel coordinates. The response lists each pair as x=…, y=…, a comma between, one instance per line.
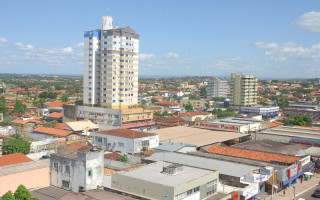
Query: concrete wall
x=276, y=138
x=69, y=113
x=30, y=179
x=129, y=145
x=76, y=176
x=152, y=190
x=96, y=165
x=79, y=170
x=141, y=188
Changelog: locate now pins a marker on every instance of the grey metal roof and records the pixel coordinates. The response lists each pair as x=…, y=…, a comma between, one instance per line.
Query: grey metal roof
x=153, y=173
x=172, y=146
x=23, y=167
x=224, y=167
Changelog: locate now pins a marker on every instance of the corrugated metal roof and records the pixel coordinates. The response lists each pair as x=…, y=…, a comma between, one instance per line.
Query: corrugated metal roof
x=224, y=167
x=196, y=136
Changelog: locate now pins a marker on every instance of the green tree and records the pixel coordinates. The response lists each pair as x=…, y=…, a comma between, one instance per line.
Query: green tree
x=207, y=105
x=16, y=145
x=22, y=193
x=143, y=102
x=203, y=92
x=8, y=196
x=221, y=99
x=153, y=100
x=3, y=107
x=188, y=107
x=19, y=107
x=123, y=159
x=64, y=98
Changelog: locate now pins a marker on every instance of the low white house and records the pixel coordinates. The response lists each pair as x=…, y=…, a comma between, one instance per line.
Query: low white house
x=125, y=140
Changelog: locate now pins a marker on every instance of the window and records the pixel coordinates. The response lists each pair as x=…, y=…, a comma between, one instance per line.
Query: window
x=65, y=184
x=121, y=144
x=67, y=169
x=89, y=173
x=145, y=143
x=99, y=139
x=211, y=187
x=55, y=165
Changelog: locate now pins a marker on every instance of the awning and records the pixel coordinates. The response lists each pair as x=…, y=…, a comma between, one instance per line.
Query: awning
x=299, y=174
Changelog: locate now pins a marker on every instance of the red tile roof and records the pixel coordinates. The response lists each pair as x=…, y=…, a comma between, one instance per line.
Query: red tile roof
x=56, y=115
x=126, y=133
x=274, y=124
x=112, y=156
x=20, y=121
x=79, y=147
x=15, y=158
x=254, y=155
x=56, y=103
x=166, y=103
x=61, y=126
x=52, y=131
x=16, y=90
x=108, y=171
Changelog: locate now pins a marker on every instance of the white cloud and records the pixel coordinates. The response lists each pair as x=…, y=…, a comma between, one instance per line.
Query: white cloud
x=3, y=40
x=309, y=21
x=289, y=50
x=144, y=57
x=80, y=45
x=23, y=46
x=171, y=55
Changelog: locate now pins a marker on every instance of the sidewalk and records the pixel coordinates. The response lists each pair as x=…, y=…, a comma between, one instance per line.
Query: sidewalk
x=300, y=188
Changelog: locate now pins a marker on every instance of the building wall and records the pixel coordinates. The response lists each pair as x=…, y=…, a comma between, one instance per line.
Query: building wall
x=140, y=187
x=95, y=163
x=218, y=88
x=74, y=177
x=129, y=145
x=79, y=171
x=97, y=115
x=243, y=90
x=152, y=190
x=111, y=66
x=276, y=138
x=30, y=179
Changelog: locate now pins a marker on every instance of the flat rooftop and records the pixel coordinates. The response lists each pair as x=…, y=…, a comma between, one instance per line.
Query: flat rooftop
x=197, y=136
x=236, y=121
x=155, y=175
x=271, y=147
x=294, y=132
x=23, y=167
x=224, y=167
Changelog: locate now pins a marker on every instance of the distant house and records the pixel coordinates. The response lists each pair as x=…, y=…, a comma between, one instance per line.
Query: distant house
x=172, y=93
x=46, y=132
x=81, y=126
x=54, y=116
x=126, y=141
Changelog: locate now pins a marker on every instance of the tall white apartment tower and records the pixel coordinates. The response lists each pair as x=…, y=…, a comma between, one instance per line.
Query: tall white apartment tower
x=217, y=88
x=111, y=66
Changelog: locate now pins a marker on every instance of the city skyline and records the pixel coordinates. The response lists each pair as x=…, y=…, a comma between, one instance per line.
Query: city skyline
x=264, y=39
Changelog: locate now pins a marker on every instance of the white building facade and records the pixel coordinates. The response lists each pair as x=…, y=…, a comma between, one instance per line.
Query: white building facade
x=218, y=88
x=126, y=141
x=111, y=66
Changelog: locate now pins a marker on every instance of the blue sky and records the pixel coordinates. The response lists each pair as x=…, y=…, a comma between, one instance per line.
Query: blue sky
x=275, y=39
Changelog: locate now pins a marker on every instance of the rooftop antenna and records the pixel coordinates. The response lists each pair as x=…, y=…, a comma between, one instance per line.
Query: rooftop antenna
x=107, y=12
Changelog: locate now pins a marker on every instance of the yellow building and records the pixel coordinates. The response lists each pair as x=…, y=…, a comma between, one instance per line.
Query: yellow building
x=243, y=90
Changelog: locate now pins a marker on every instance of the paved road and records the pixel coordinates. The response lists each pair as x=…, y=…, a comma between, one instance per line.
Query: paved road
x=303, y=190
